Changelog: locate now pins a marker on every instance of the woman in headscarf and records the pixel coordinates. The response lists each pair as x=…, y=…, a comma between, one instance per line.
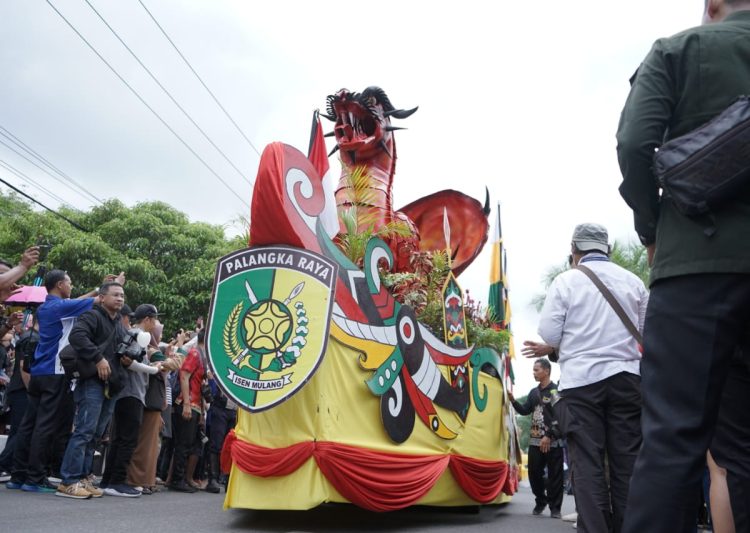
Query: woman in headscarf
x=142, y=468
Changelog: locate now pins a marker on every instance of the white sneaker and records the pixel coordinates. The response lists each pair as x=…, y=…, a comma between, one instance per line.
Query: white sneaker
x=572, y=517
x=122, y=490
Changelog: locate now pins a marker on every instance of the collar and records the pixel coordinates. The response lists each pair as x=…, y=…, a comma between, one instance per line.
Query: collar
x=742, y=15
x=105, y=313
x=593, y=257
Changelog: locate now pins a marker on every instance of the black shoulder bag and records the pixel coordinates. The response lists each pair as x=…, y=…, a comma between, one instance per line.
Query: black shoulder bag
x=77, y=368
x=156, y=393
x=705, y=168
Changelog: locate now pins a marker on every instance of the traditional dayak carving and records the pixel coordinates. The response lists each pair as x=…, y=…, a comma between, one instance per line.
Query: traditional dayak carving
x=365, y=137
x=402, y=353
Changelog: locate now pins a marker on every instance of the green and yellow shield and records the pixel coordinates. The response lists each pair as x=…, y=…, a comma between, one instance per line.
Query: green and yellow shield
x=268, y=325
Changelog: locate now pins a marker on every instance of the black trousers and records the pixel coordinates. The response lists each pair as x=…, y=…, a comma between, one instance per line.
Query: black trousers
x=220, y=421
x=127, y=418
x=604, y=419
x=547, y=491
x=35, y=437
x=694, y=323
x=17, y=401
x=184, y=436
x=66, y=414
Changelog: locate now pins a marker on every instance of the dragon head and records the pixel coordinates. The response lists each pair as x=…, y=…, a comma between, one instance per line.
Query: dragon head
x=363, y=127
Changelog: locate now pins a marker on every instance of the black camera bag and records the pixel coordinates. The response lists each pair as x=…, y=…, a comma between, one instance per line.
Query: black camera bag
x=703, y=169
x=77, y=368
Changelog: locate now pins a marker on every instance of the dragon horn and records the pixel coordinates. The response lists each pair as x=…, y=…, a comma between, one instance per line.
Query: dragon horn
x=486, y=209
x=400, y=113
x=331, y=134
x=329, y=117
x=393, y=128
x=335, y=149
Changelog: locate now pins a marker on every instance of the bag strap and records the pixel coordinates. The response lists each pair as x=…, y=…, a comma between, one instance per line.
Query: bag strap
x=612, y=302
x=112, y=335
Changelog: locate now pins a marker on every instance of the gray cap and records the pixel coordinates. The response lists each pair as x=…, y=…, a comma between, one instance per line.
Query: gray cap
x=589, y=237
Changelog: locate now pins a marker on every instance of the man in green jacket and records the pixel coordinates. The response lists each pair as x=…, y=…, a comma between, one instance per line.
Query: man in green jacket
x=699, y=308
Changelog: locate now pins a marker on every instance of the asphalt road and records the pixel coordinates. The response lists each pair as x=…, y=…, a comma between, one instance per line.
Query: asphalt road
x=167, y=512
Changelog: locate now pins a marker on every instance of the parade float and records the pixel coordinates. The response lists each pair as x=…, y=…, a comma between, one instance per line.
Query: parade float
x=357, y=375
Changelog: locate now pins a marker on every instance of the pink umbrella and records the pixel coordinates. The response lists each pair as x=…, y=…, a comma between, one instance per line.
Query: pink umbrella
x=28, y=294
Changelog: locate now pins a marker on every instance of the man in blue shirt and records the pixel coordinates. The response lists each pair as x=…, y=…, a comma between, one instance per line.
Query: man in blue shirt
x=48, y=386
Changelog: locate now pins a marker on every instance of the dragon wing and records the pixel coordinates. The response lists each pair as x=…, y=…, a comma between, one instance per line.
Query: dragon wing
x=468, y=225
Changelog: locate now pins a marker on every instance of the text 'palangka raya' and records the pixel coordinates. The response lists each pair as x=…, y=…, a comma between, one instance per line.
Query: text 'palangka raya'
x=298, y=260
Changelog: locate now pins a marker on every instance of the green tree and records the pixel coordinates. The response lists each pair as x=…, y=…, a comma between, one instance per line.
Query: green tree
x=168, y=260
x=631, y=256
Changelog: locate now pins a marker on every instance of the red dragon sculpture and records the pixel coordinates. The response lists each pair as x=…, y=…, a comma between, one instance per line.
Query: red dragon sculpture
x=364, y=136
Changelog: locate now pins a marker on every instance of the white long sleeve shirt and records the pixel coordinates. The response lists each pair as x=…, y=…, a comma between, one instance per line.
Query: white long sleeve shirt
x=591, y=340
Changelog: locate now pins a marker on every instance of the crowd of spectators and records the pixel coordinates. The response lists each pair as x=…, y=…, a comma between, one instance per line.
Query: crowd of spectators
x=95, y=401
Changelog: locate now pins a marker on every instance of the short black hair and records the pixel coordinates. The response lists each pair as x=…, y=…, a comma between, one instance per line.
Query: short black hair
x=545, y=364
x=578, y=251
x=104, y=289
x=6, y=263
x=54, y=277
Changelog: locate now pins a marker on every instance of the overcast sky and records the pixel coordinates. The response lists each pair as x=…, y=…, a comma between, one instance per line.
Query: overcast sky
x=523, y=98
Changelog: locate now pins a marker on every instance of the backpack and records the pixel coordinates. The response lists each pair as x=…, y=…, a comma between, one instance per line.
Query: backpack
x=26, y=347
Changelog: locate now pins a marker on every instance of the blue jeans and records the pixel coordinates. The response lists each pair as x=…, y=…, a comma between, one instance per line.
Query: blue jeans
x=94, y=412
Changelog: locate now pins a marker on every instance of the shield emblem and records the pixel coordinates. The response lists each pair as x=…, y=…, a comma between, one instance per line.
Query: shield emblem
x=268, y=324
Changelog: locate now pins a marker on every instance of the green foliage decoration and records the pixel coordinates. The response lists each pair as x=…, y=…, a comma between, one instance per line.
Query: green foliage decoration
x=422, y=290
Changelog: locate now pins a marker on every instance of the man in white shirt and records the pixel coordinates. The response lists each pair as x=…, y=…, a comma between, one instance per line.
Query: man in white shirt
x=599, y=375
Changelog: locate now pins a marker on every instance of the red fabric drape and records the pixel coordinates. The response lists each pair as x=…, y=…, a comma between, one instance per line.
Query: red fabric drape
x=378, y=481
x=480, y=480
x=266, y=462
x=226, y=452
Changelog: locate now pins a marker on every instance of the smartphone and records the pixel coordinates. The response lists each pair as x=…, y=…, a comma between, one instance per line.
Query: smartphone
x=44, y=249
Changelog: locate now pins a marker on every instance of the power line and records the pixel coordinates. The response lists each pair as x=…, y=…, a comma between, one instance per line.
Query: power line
x=18, y=142
x=226, y=113
x=185, y=144
x=66, y=219
x=10, y=168
x=174, y=101
x=9, y=147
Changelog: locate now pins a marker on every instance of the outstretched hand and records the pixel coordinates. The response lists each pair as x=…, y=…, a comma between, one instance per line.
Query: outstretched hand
x=533, y=350
x=7, y=292
x=119, y=278
x=30, y=257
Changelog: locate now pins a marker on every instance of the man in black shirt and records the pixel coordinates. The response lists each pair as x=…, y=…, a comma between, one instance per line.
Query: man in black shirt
x=545, y=442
